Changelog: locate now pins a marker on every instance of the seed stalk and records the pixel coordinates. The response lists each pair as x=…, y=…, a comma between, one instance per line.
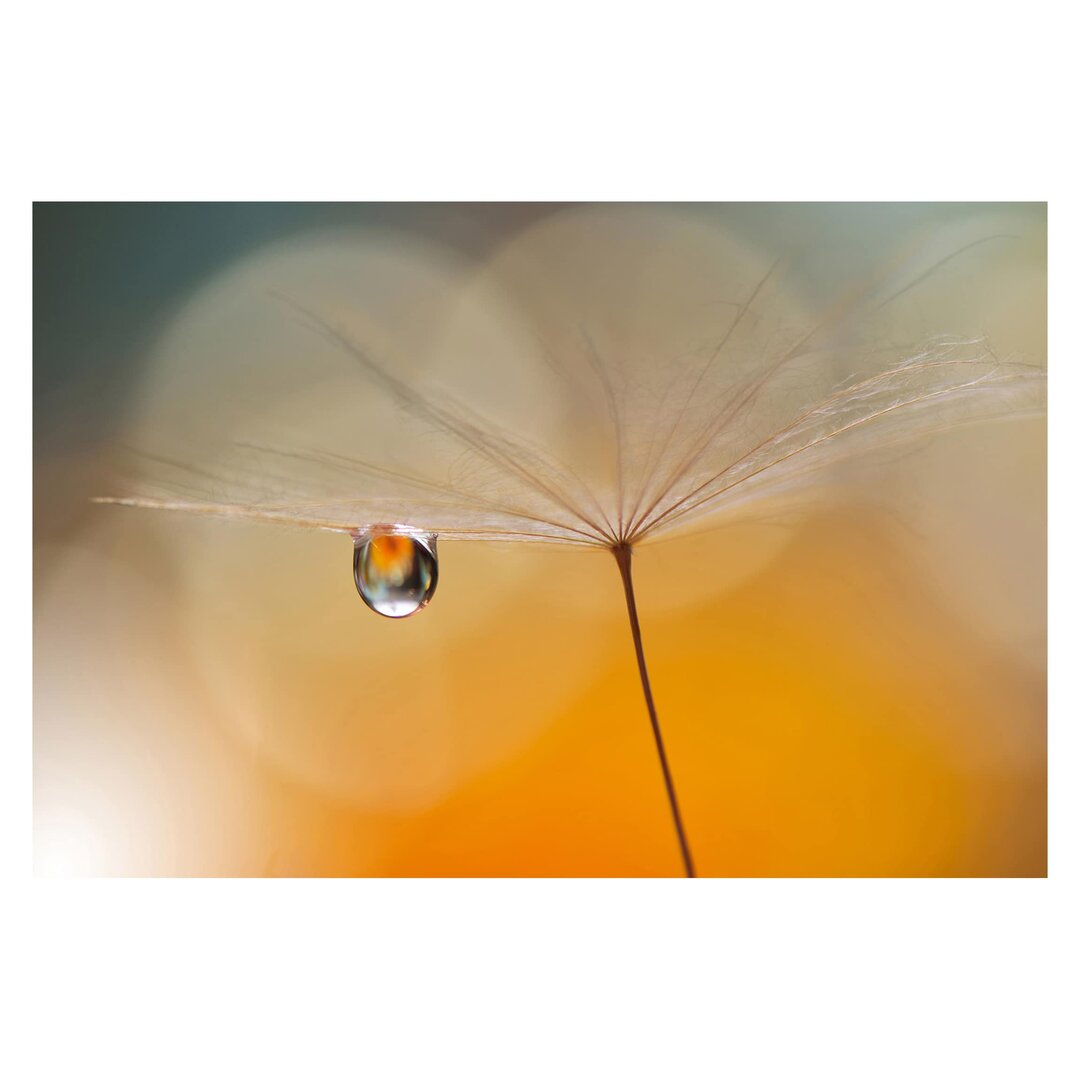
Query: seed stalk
x=622, y=553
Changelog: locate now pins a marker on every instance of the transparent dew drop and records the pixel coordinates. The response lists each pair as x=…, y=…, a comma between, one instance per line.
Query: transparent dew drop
x=395, y=569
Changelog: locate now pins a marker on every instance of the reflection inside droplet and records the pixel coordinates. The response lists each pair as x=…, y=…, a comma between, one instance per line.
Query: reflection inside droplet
x=395, y=569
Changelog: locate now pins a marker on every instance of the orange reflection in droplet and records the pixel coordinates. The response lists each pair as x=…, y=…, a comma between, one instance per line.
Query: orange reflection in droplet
x=392, y=555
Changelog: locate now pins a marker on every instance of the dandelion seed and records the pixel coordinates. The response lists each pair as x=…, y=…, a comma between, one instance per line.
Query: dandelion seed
x=694, y=390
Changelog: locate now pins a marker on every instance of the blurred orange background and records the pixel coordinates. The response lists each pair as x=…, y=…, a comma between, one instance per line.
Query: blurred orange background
x=862, y=692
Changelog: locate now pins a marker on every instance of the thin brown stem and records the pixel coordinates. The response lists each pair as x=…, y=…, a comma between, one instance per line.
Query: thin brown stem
x=622, y=553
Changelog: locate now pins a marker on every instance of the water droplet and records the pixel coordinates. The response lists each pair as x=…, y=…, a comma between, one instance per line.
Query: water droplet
x=396, y=569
